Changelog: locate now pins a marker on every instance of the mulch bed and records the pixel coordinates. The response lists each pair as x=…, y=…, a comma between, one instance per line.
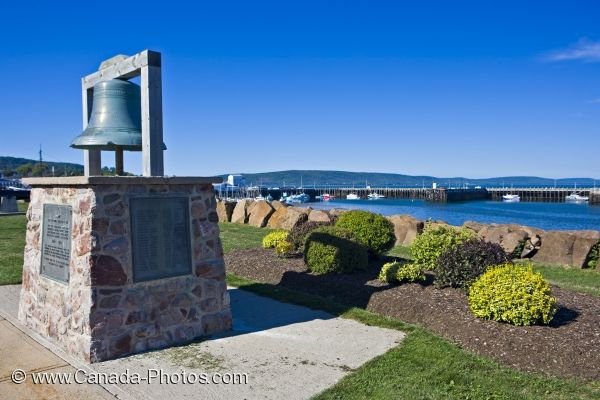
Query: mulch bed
x=568, y=347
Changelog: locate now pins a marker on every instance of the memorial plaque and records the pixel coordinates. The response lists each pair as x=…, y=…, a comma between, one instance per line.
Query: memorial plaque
x=56, y=242
x=160, y=237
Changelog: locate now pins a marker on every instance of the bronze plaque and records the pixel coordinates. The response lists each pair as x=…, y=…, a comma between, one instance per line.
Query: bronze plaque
x=56, y=242
x=160, y=236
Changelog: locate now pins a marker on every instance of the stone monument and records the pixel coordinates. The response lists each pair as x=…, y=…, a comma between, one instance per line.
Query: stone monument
x=123, y=264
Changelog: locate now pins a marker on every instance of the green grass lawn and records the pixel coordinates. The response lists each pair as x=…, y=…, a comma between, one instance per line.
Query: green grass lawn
x=577, y=280
x=12, y=244
x=401, y=251
x=236, y=236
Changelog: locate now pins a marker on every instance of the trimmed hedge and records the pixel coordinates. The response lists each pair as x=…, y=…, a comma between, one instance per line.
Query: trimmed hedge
x=460, y=266
x=374, y=231
x=333, y=249
x=435, y=241
x=513, y=294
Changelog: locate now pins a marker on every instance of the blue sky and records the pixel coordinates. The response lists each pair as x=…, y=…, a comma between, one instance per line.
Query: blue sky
x=473, y=89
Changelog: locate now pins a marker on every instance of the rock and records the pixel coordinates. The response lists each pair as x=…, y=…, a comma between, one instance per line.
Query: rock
x=475, y=226
x=406, y=229
x=276, y=204
x=529, y=249
x=278, y=217
x=107, y=271
x=336, y=212
x=225, y=210
x=509, y=236
x=319, y=216
x=287, y=217
x=260, y=213
x=240, y=212
x=295, y=216
x=570, y=248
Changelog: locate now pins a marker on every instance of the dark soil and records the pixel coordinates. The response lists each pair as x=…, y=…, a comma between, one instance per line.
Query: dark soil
x=568, y=347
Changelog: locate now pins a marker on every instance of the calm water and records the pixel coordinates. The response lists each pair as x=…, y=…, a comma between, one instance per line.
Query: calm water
x=541, y=215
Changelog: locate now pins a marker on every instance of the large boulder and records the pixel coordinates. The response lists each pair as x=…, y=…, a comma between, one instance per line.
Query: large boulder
x=276, y=204
x=287, y=218
x=569, y=248
x=225, y=210
x=319, y=216
x=240, y=212
x=336, y=212
x=511, y=237
x=406, y=229
x=474, y=226
x=260, y=212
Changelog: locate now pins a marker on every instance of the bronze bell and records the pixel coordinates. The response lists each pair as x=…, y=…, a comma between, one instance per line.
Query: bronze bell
x=115, y=122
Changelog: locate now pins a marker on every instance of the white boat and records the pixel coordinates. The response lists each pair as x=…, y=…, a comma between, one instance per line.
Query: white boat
x=576, y=198
x=375, y=196
x=296, y=198
x=352, y=196
x=511, y=198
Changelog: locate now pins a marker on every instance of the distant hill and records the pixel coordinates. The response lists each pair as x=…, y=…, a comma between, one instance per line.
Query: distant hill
x=375, y=179
x=13, y=166
x=320, y=178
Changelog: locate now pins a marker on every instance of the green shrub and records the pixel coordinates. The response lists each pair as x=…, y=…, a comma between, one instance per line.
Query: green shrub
x=333, y=249
x=410, y=273
x=388, y=272
x=299, y=232
x=462, y=265
x=373, y=230
x=513, y=294
x=270, y=241
x=435, y=241
x=592, y=258
x=398, y=272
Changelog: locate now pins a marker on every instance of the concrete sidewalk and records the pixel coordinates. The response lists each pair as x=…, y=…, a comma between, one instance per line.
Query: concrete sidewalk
x=286, y=351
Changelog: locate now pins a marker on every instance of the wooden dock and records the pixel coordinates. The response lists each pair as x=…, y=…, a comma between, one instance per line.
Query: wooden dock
x=547, y=195
x=440, y=195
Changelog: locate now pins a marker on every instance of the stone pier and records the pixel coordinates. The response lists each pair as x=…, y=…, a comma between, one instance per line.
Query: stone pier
x=120, y=265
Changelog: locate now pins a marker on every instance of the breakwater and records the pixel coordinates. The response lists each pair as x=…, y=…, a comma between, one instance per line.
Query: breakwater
x=439, y=195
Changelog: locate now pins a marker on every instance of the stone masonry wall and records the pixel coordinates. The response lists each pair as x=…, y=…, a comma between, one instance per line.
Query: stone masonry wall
x=101, y=313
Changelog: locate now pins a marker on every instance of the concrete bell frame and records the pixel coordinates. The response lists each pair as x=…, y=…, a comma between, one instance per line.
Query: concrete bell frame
x=147, y=65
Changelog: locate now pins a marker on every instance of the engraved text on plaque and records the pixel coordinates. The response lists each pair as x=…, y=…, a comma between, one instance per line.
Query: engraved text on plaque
x=160, y=229
x=56, y=242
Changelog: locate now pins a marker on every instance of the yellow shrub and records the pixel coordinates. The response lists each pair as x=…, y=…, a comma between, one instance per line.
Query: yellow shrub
x=270, y=241
x=513, y=294
x=284, y=248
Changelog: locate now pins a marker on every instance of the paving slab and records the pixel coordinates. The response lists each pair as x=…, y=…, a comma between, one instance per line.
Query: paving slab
x=56, y=391
x=20, y=351
x=286, y=351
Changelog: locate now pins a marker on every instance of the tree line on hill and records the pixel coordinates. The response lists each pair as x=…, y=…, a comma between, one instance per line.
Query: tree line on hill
x=12, y=167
